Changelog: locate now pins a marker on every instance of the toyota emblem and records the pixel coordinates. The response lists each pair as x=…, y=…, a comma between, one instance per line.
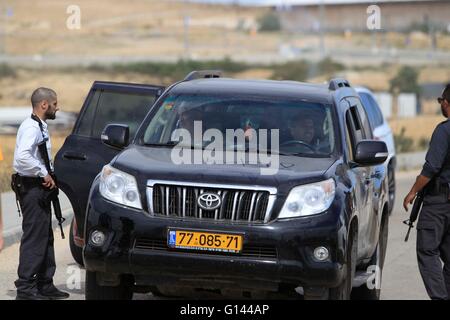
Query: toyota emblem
x=209, y=201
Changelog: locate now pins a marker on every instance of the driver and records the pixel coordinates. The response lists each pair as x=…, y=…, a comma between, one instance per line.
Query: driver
x=302, y=128
x=187, y=119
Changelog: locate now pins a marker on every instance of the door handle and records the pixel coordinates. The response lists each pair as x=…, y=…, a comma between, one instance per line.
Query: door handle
x=74, y=156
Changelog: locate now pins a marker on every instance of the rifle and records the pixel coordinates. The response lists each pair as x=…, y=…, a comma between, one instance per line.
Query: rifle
x=414, y=212
x=52, y=195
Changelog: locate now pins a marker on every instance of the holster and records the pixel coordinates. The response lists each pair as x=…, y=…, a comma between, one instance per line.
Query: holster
x=17, y=185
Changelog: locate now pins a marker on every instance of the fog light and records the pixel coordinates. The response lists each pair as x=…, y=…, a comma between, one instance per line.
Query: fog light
x=321, y=253
x=98, y=238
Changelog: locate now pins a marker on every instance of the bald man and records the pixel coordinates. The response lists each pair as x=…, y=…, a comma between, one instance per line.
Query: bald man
x=37, y=257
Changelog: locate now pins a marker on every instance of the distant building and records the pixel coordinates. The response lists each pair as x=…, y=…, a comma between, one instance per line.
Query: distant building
x=351, y=15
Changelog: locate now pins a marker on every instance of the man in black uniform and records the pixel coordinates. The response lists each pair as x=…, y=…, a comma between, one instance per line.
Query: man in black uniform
x=37, y=257
x=433, y=227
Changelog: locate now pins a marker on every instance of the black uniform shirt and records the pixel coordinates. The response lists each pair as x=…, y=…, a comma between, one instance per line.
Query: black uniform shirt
x=438, y=155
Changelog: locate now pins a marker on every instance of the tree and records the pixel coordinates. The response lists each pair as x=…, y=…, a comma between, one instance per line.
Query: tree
x=269, y=22
x=405, y=81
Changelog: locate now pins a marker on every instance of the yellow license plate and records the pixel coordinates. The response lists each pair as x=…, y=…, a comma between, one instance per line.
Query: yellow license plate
x=206, y=241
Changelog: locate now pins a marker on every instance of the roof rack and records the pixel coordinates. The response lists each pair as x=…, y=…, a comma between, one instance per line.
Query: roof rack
x=338, y=83
x=203, y=74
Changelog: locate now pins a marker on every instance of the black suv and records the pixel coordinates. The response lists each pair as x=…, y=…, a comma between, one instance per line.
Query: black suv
x=303, y=211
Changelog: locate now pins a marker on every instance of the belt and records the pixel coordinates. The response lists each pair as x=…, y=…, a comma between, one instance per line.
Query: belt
x=439, y=187
x=31, y=181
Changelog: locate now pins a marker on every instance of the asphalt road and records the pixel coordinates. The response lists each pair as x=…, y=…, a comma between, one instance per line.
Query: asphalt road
x=401, y=278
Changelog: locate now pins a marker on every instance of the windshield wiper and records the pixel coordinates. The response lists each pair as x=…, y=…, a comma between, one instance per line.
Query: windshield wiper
x=295, y=154
x=268, y=151
x=168, y=144
x=173, y=144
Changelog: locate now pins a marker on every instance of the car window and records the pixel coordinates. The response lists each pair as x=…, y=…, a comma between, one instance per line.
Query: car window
x=363, y=118
x=372, y=109
x=86, y=119
x=348, y=129
x=350, y=132
x=304, y=127
x=121, y=107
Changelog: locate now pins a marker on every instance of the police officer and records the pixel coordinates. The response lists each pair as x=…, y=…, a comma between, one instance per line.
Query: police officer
x=433, y=227
x=37, y=257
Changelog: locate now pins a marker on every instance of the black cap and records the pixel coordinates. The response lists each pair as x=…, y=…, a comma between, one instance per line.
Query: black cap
x=446, y=93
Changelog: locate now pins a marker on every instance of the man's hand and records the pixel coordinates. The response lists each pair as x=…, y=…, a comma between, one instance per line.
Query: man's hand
x=49, y=182
x=421, y=182
x=409, y=199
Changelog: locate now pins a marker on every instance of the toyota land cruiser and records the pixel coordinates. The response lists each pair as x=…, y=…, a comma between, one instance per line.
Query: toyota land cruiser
x=304, y=210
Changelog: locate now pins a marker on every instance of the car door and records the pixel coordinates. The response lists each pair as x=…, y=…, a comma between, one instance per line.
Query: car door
x=362, y=183
x=372, y=183
x=83, y=154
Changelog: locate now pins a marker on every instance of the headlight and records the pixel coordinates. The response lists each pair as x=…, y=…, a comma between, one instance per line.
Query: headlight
x=119, y=187
x=308, y=199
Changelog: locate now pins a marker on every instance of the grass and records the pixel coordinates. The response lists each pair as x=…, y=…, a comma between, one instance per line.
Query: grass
x=6, y=71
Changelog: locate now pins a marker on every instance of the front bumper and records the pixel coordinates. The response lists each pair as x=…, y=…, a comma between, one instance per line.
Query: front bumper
x=280, y=252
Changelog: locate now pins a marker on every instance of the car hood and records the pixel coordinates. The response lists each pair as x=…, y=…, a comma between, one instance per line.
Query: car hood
x=155, y=163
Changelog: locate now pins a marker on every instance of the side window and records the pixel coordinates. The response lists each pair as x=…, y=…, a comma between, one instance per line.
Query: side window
x=349, y=135
x=87, y=117
x=360, y=113
x=349, y=129
x=121, y=107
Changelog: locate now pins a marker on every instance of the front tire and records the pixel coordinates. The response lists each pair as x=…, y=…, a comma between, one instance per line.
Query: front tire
x=94, y=291
x=363, y=292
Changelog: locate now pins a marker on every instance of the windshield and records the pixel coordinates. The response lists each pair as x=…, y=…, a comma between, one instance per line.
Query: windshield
x=304, y=128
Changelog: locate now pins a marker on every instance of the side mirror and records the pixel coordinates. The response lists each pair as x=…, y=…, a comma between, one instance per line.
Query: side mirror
x=116, y=135
x=371, y=152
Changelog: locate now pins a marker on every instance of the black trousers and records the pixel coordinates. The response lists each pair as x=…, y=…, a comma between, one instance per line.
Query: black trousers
x=37, y=256
x=433, y=245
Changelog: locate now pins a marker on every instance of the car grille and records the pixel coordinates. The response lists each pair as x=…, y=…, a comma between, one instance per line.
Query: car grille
x=256, y=252
x=237, y=205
